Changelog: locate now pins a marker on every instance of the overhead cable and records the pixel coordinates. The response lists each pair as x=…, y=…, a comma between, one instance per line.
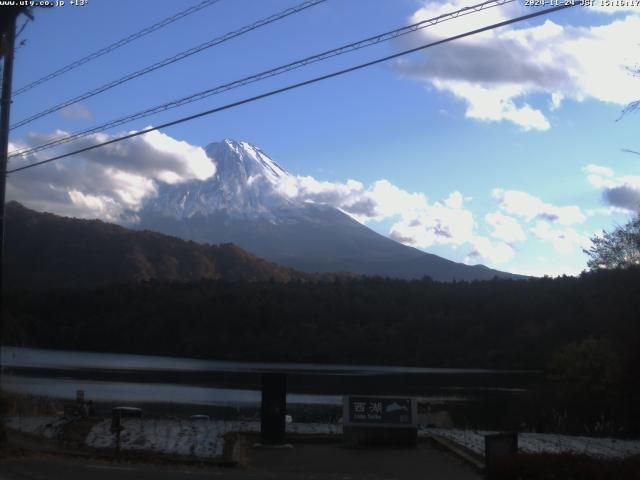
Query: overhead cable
x=169, y=61
x=374, y=40
x=297, y=85
x=116, y=45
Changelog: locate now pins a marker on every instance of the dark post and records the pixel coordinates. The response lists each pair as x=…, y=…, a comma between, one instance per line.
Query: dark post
x=116, y=427
x=8, y=41
x=273, y=408
x=118, y=440
x=498, y=448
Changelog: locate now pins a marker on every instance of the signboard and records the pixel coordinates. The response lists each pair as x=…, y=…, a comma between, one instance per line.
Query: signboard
x=380, y=411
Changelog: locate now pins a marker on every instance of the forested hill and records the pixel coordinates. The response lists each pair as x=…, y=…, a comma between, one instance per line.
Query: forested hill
x=585, y=330
x=46, y=251
x=498, y=323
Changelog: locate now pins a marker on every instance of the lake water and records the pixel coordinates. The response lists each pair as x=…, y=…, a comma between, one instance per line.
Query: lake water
x=65, y=388
x=39, y=358
x=112, y=377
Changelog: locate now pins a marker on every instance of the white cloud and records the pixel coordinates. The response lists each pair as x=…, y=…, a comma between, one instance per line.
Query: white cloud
x=564, y=240
x=495, y=72
x=391, y=201
x=108, y=183
x=505, y=227
x=550, y=222
x=436, y=224
x=420, y=223
x=495, y=104
x=531, y=207
x=423, y=224
x=349, y=197
x=606, y=211
x=496, y=253
x=556, y=100
x=454, y=200
x=96, y=206
x=599, y=170
x=618, y=192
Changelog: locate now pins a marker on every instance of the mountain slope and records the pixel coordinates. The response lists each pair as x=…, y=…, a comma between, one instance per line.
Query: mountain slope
x=47, y=251
x=244, y=203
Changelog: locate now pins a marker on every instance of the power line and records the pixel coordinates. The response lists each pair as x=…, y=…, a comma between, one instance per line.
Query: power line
x=300, y=84
x=632, y=107
x=628, y=150
x=116, y=45
x=173, y=59
x=374, y=40
x=21, y=29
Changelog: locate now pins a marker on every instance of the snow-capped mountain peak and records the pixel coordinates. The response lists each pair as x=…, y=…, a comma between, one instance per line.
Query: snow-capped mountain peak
x=253, y=202
x=235, y=159
x=246, y=184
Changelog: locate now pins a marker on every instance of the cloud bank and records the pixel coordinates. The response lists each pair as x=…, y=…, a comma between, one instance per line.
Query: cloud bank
x=109, y=183
x=547, y=222
x=419, y=222
x=112, y=183
x=495, y=73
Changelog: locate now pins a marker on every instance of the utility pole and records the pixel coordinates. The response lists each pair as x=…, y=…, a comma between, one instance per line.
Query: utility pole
x=8, y=34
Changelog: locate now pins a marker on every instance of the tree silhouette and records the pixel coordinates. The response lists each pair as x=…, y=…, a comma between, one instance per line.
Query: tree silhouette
x=619, y=248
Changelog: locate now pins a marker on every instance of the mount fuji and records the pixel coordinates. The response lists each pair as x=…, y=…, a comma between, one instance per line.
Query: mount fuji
x=244, y=204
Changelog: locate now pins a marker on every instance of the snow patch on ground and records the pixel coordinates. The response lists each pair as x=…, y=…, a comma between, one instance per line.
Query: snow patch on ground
x=194, y=438
x=48, y=427
x=544, y=443
x=203, y=439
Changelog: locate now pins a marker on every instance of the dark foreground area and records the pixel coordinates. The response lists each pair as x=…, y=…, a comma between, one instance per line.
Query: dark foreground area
x=546, y=466
x=327, y=461
x=320, y=461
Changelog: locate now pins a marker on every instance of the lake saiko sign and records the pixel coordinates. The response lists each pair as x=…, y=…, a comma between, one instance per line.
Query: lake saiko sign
x=380, y=410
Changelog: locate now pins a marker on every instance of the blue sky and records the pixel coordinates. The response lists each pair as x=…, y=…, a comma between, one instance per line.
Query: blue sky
x=502, y=149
